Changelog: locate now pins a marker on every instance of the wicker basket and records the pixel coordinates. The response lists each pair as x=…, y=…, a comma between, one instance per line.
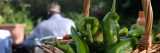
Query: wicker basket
x=50, y=49
x=47, y=48
x=146, y=39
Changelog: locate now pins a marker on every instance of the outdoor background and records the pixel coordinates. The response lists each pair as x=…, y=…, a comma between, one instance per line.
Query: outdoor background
x=33, y=12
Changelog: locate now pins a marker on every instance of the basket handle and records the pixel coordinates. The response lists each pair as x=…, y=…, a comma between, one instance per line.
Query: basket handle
x=147, y=7
x=86, y=9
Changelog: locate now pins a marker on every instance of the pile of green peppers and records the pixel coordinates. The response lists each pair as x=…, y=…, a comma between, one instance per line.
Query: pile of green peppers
x=112, y=34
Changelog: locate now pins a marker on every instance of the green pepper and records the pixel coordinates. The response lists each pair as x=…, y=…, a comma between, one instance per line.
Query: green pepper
x=89, y=27
x=121, y=47
x=81, y=45
x=123, y=31
x=65, y=48
x=110, y=28
x=124, y=46
x=136, y=30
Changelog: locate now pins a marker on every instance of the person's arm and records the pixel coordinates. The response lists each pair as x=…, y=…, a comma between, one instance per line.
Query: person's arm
x=39, y=32
x=29, y=40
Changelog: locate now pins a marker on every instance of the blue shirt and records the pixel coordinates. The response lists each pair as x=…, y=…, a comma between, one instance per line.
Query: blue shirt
x=6, y=45
x=5, y=42
x=56, y=25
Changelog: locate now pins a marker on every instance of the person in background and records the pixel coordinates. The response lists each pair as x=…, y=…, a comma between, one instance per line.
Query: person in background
x=56, y=25
x=5, y=41
x=11, y=34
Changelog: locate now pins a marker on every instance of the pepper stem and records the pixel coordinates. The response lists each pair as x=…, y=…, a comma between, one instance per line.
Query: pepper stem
x=89, y=33
x=113, y=5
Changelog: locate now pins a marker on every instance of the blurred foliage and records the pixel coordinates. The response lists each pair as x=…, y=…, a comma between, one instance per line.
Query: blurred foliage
x=8, y=15
x=158, y=26
x=21, y=17
x=2, y=20
x=127, y=9
x=76, y=17
x=38, y=8
x=7, y=10
x=18, y=17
